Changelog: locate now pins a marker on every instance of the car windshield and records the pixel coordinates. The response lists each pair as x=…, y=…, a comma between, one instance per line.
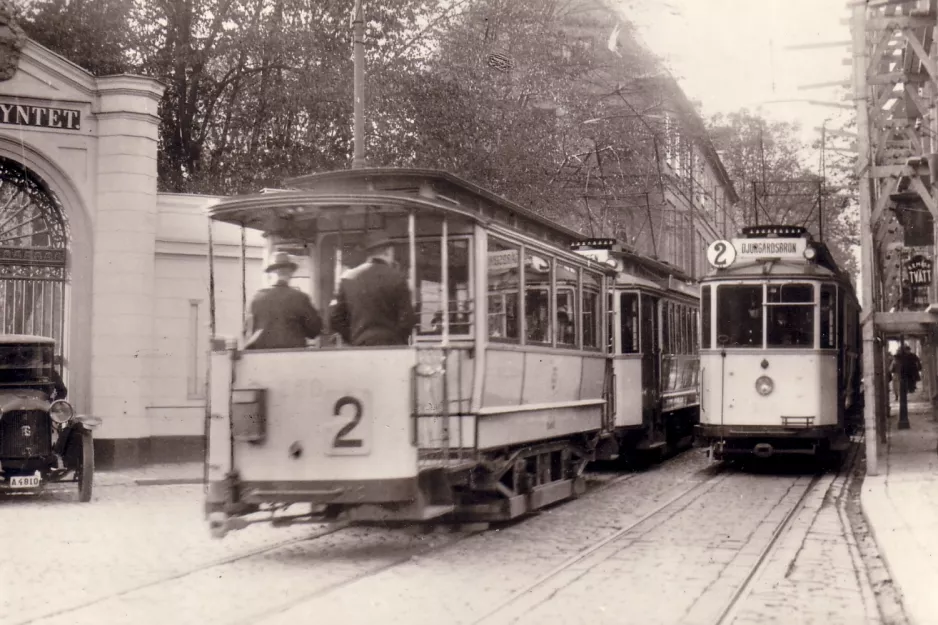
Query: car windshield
x=25, y=363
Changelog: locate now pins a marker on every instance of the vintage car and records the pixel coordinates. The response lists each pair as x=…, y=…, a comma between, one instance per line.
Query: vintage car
x=42, y=440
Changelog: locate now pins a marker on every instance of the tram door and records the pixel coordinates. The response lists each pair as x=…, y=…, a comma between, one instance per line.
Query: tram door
x=651, y=352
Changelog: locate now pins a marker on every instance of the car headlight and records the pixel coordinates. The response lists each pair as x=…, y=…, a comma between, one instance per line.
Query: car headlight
x=764, y=385
x=61, y=411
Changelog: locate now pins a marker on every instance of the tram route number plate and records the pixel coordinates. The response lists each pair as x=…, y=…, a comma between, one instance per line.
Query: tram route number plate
x=349, y=431
x=26, y=481
x=721, y=254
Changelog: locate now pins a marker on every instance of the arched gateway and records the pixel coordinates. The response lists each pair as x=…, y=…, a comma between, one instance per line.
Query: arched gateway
x=33, y=256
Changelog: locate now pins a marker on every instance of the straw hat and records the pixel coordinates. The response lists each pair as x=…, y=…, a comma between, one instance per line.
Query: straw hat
x=281, y=260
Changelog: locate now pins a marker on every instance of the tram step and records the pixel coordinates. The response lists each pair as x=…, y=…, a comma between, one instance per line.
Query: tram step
x=433, y=512
x=649, y=445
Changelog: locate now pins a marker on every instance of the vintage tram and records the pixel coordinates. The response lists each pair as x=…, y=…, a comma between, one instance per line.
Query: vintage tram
x=653, y=345
x=780, y=343
x=493, y=409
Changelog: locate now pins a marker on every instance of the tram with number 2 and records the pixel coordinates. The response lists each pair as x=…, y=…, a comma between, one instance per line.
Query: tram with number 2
x=780, y=347
x=653, y=346
x=528, y=360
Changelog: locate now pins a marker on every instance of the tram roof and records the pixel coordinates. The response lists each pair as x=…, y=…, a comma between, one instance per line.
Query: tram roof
x=307, y=197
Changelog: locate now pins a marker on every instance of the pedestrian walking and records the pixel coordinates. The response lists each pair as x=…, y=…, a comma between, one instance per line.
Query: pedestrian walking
x=282, y=317
x=373, y=306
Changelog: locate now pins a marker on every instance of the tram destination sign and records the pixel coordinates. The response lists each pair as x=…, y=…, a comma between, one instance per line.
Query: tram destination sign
x=39, y=116
x=765, y=248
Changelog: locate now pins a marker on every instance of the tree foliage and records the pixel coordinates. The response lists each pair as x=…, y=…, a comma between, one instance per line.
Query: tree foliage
x=770, y=166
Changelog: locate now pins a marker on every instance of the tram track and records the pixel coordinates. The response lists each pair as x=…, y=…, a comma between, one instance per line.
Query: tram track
x=728, y=614
x=220, y=566
x=516, y=608
x=507, y=609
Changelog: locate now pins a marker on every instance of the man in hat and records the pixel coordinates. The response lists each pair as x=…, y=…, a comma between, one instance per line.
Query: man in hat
x=373, y=304
x=282, y=316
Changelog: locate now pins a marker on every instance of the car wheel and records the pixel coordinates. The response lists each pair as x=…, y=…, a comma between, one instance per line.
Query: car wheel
x=85, y=471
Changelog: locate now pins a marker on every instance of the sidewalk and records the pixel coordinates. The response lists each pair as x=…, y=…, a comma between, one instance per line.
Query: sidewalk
x=901, y=507
x=152, y=475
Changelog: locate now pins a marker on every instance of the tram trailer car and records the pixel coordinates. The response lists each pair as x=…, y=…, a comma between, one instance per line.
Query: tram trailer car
x=492, y=410
x=780, y=346
x=654, y=350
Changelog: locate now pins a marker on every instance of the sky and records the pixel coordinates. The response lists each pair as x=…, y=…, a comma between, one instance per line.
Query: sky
x=732, y=54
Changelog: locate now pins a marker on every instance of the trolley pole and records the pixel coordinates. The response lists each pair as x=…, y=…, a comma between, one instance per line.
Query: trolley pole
x=358, y=33
x=864, y=163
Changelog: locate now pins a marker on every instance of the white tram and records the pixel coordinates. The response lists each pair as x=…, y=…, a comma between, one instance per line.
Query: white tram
x=492, y=410
x=780, y=346
x=654, y=348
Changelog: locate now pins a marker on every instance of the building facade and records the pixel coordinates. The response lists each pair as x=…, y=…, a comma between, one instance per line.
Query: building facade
x=93, y=256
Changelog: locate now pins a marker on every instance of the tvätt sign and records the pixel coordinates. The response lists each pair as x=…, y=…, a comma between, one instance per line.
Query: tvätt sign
x=40, y=116
x=769, y=248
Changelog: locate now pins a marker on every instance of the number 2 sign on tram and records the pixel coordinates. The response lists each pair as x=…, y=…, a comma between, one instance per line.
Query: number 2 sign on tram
x=721, y=254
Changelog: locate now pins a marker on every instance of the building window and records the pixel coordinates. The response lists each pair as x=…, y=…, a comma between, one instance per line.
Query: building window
x=195, y=376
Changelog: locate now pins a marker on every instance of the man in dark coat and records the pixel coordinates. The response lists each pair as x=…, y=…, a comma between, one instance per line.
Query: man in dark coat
x=282, y=317
x=373, y=305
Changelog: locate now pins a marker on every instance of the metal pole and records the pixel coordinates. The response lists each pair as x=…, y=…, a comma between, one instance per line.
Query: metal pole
x=358, y=32
x=244, y=282
x=864, y=162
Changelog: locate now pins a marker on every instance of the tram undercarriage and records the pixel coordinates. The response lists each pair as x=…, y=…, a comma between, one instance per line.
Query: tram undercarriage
x=726, y=442
x=502, y=485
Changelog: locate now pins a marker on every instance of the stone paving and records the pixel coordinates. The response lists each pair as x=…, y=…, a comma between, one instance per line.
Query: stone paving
x=140, y=555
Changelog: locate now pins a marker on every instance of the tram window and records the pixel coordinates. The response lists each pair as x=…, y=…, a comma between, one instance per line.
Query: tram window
x=705, y=317
x=790, y=313
x=591, y=309
x=428, y=296
x=828, y=316
x=695, y=333
x=739, y=315
x=666, y=327
x=537, y=298
x=503, y=304
x=682, y=323
x=567, y=283
x=629, y=322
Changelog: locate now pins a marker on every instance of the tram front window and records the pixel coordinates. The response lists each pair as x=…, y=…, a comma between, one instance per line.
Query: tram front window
x=790, y=315
x=739, y=315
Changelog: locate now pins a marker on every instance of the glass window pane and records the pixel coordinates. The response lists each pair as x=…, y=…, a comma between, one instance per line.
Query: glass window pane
x=739, y=315
x=666, y=327
x=790, y=313
x=537, y=269
x=629, y=322
x=567, y=281
x=705, y=316
x=503, y=271
x=591, y=309
x=828, y=317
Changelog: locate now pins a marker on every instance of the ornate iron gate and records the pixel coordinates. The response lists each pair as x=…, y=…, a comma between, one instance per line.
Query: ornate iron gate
x=33, y=256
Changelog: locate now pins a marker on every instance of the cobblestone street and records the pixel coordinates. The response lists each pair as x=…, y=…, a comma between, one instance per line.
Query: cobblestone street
x=676, y=543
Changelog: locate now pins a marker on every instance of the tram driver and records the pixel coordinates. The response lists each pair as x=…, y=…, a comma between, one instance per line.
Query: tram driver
x=373, y=305
x=282, y=317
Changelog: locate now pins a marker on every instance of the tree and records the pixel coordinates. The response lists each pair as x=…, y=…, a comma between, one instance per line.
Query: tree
x=93, y=34
x=769, y=165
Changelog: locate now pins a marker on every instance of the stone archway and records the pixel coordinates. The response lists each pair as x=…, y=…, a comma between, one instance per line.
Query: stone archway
x=34, y=241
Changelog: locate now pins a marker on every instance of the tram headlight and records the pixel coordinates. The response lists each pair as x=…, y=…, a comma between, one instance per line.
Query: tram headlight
x=764, y=385
x=61, y=411
x=810, y=253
